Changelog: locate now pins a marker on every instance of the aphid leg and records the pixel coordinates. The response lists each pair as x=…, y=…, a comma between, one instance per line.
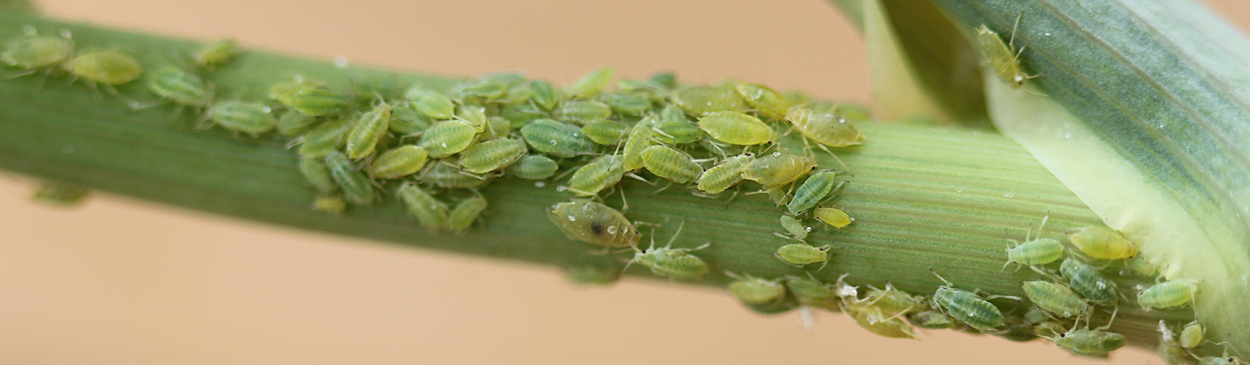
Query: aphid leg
x=734, y=195
x=835, y=157
x=624, y=202
x=1012, y=41
x=992, y=297
x=822, y=265
x=1109, y=322
x=940, y=277
x=20, y=74
x=666, y=186
x=639, y=178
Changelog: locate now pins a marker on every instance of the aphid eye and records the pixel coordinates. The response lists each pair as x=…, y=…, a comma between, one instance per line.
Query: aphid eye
x=1064, y=335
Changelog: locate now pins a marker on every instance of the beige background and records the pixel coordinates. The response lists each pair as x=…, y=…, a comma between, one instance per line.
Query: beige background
x=125, y=282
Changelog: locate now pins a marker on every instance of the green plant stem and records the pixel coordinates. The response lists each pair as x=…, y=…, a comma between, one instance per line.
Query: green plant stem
x=923, y=197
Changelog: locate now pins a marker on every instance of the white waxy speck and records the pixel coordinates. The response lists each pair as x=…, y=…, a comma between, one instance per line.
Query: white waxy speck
x=267, y=110
x=776, y=153
x=572, y=219
x=1047, y=34
x=612, y=230
x=540, y=184
x=1009, y=195
x=444, y=144
x=340, y=61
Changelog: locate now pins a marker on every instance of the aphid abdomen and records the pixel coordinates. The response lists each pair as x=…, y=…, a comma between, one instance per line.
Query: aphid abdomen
x=36, y=51
x=463, y=215
x=105, y=67
x=555, y=138
x=1090, y=342
x=597, y=175
x=877, y=321
x=752, y=290
x=799, y=254
x=606, y=132
x=931, y=320
x=594, y=223
x=1089, y=283
x=737, y=128
x=1103, y=243
x=355, y=185
x=364, y=137
x=673, y=127
x=794, y=227
x=778, y=169
x=812, y=293
x=833, y=217
x=492, y=155
x=724, y=175
x=399, y=162
x=246, y=117
x=682, y=266
x=428, y=211
x=591, y=83
x=447, y=138
x=179, y=86
x=430, y=103
x=671, y=164
x=1171, y=294
x=1036, y=252
x=583, y=111
x=1055, y=298
x=534, y=167
x=816, y=188
x=821, y=123
x=973, y=311
x=765, y=100
x=316, y=101
x=1192, y=335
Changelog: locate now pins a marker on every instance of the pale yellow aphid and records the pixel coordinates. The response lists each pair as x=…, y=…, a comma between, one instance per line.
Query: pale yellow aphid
x=217, y=52
x=640, y=138
x=492, y=155
x=447, y=138
x=1103, y=243
x=778, y=169
x=363, y=139
x=822, y=123
x=797, y=230
x=752, y=290
x=737, y=128
x=878, y=321
x=105, y=67
x=1192, y=335
x=32, y=52
x=892, y=301
x=802, y=254
x=399, y=162
x=594, y=223
x=1003, y=57
x=834, y=217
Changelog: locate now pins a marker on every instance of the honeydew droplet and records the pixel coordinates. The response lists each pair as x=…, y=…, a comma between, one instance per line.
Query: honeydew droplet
x=572, y=219
x=612, y=230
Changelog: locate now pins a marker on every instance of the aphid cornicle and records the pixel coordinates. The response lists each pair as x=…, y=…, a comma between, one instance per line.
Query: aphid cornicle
x=355, y=186
x=445, y=174
x=430, y=103
x=794, y=227
x=1169, y=348
x=640, y=138
x=701, y=100
x=812, y=293
x=1095, y=342
x=673, y=128
x=801, y=254
x=465, y=213
x=1034, y=250
x=1087, y=281
x=597, y=175
x=31, y=52
x=833, y=217
x=1166, y=295
x=591, y=83
x=1057, y=299
x=933, y=320
x=821, y=123
x=555, y=138
x=447, y=138
x=766, y=101
x=1003, y=57
x=105, y=67
x=544, y=95
x=324, y=139
x=179, y=86
x=671, y=164
x=967, y=307
x=329, y=203
x=1192, y=335
x=492, y=155
x=606, y=132
x=240, y=116
x=594, y=223
x=315, y=172
x=534, y=167
x=725, y=174
x=673, y=263
x=736, y=128
x=813, y=190
x=293, y=123
x=778, y=169
x=369, y=129
x=429, y=212
x=399, y=162
x=753, y=290
x=1103, y=243
x=878, y=321
x=215, y=53
x=582, y=111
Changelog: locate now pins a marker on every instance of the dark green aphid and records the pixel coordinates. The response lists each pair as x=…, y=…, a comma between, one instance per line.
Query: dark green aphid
x=753, y=290
x=626, y=104
x=701, y=100
x=293, y=123
x=606, y=132
x=32, y=52
x=1003, y=57
x=447, y=138
x=778, y=169
x=430, y=103
x=671, y=164
x=967, y=307
x=815, y=189
x=492, y=155
x=534, y=167
x=599, y=174
x=1087, y=281
x=1035, y=251
x=60, y=194
x=766, y=101
x=465, y=213
x=520, y=115
x=239, y=116
x=602, y=273
x=640, y=138
x=215, y=53
x=324, y=139
x=429, y=212
x=673, y=127
x=787, y=303
x=802, y=254
x=446, y=175
x=317, y=174
x=544, y=95
x=369, y=129
x=355, y=186
x=398, y=162
x=725, y=174
x=594, y=223
x=105, y=67
x=317, y=101
x=475, y=115
x=591, y=83
x=1057, y=299
x=179, y=86
x=555, y=138
x=737, y=128
x=581, y=111
x=405, y=121
x=673, y=263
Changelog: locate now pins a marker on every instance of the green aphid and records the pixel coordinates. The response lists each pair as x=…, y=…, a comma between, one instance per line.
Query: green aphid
x=582, y=111
x=802, y=254
x=534, y=167
x=544, y=95
x=520, y=115
x=1167, y=295
x=640, y=138
x=508, y=79
x=1103, y=243
x=1034, y=250
x=673, y=127
x=797, y=97
x=673, y=263
x=406, y=121
x=293, y=123
x=647, y=90
x=32, y=52
x=399, y=162
x=821, y=123
x=778, y=169
x=815, y=189
x=602, y=274
x=372, y=88
x=497, y=127
x=329, y=203
x=606, y=132
x=356, y=187
x=1224, y=359
x=555, y=138
x=725, y=174
x=878, y=321
x=1095, y=342
x=475, y=115
x=179, y=86
x=430, y=103
x=105, y=67
x=1035, y=315
x=324, y=139
x=812, y=293
x=701, y=100
x=317, y=101
x=594, y=223
x=60, y=194
x=1169, y=348
x=671, y=164
x=447, y=138
x=317, y=174
x=598, y=174
x=833, y=217
x=465, y=213
x=1003, y=57
x=753, y=290
x=766, y=101
x=363, y=139
x=216, y=53
x=626, y=104
x=429, y=212
x=966, y=307
x=1142, y=267
x=591, y=83
x=737, y=128
x=794, y=227
x=480, y=91
x=1057, y=299
x=446, y=175
x=1087, y=281
x=666, y=80
x=1192, y=335
x=492, y=155
x=518, y=94
x=892, y=301
x=930, y=319
x=283, y=92
x=241, y=116
x=787, y=303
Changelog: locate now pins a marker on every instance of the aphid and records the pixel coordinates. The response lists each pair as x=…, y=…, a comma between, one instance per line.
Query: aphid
x=1003, y=57
x=534, y=167
x=329, y=203
x=821, y=123
x=673, y=127
x=626, y=104
x=778, y=169
x=591, y=83
x=1103, y=243
x=1086, y=280
x=355, y=186
x=284, y=91
x=1169, y=349
x=293, y=123
x=671, y=164
x=406, y=121
x=240, y=116
x=1057, y=299
x=1035, y=315
x=1034, y=251
x=725, y=174
x=555, y=138
x=878, y=321
x=594, y=273
x=447, y=138
x=701, y=100
x=753, y=290
x=1142, y=267
x=105, y=67
x=597, y=175
x=1171, y=294
x=463, y=215
x=492, y=155
x=316, y=101
x=497, y=127
x=399, y=162
x=813, y=191
x=544, y=95
x=583, y=111
x=430, y=103
x=520, y=115
x=833, y=217
x=766, y=101
x=475, y=115
x=797, y=97
x=369, y=129
x=933, y=320
x=324, y=139
x=967, y=307
x=891, y=300
x=1192, y=335
x=445, y=174
x=801, y=254
x=317, y=174
x=478, y=91
x=1095, y=342
x=737, y=128
x=665, y=79
x=795, y=227
x=1224, y=359
x=219, y=51
x=811, y=292
x=60, y=194
x=508, y=79
x=31, y=52
x=650, y=91
x=594, y=223
x=606, y=132
x=518, y=94
x=783, y=305
x=640, y=138
x=181, y=87
x=673, y=263
x=429, y=212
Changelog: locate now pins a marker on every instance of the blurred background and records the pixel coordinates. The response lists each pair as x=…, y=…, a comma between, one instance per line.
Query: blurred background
x=120, y=281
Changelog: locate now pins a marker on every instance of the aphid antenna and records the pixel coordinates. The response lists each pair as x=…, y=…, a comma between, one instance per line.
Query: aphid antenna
x=948, y=283
x=674, y=238
x=1109, y=322
x=732, y=275
x=634, y=176
x=666, y=186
